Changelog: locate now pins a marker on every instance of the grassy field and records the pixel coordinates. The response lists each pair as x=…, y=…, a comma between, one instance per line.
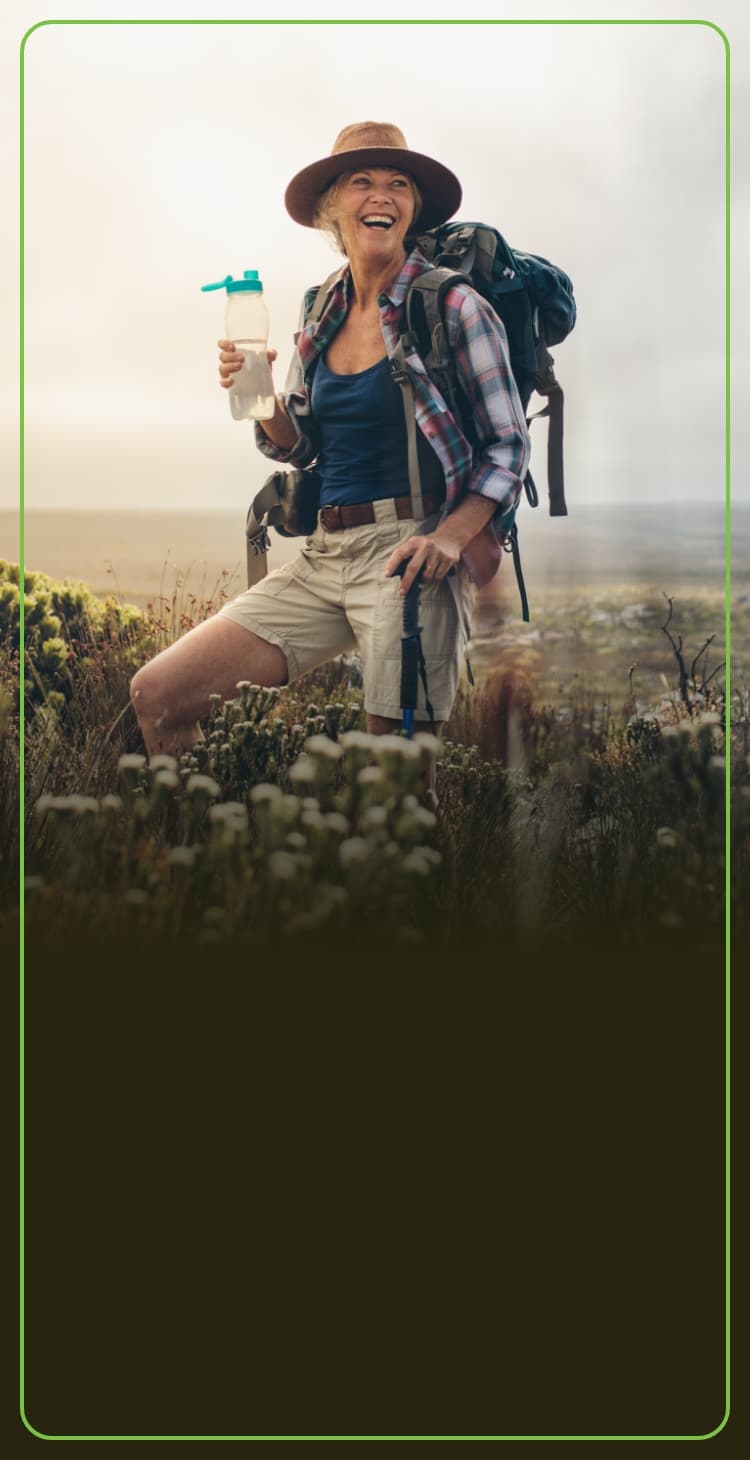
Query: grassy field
x=598, y=584
x=572, y=721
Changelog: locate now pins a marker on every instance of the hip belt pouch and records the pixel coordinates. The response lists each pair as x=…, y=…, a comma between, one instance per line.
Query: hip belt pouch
x=288, y=501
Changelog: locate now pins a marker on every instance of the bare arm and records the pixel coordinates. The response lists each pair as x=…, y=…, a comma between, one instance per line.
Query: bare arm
x=466, y=520
x=439, y=551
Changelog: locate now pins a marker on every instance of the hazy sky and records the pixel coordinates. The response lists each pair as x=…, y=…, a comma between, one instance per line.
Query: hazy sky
x=156, y=161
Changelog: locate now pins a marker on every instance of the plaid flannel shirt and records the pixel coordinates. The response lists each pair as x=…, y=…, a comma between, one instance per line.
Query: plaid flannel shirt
x=479, y=344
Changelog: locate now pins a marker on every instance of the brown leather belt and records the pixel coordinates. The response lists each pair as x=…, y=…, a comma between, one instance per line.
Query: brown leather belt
x=360, y=513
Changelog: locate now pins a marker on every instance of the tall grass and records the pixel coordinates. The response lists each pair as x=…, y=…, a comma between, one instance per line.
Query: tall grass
x=287, y=818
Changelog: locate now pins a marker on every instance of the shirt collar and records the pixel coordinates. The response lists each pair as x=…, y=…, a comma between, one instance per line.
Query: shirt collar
x=414, y=265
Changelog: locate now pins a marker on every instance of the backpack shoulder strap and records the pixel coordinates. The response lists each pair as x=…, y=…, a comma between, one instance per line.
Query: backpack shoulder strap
x=313, y=313
x=426, y=332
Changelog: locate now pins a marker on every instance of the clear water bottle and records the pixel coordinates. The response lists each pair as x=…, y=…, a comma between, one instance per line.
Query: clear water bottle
x=251, y=396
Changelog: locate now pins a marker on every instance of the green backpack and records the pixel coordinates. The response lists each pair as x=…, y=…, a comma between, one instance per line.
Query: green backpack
x=534, y=300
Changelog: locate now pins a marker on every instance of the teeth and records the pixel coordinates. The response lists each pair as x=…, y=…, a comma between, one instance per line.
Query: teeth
x=377, y=219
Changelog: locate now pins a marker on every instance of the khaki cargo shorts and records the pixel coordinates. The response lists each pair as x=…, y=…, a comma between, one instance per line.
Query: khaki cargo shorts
x=333, y=598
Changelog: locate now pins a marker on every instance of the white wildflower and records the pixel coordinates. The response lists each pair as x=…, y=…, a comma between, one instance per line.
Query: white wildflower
x=264, y=792
x=396, y=745
x=167, y=780
x=77, y=805
x=111, y=803
x=371, y=775
x=354, y=850
x=375, y=818
x=202, y=785
x=427, y=742
x=666, y=837
x=313, y=819
x=357, y=740
x=303, y=771
x=181, y=856
x=337, y=822
x=322, y=745
x=285, y=810
x=162, y=763
x=416, y=862
x=81, y=805
x=131, y=763
x=282, y=866
x=296, y=841
x=229, y=811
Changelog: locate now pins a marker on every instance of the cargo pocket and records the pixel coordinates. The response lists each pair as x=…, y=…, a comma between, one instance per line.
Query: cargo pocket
x=440, y=636
x=297, y=571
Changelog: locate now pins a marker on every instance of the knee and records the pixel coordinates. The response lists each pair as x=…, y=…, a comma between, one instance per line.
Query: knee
x=144, y=691
x=381, y=725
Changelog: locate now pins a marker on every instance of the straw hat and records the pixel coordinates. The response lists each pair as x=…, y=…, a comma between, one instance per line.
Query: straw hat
x=375, y=144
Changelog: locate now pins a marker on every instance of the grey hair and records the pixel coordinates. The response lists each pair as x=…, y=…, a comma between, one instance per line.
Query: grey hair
x=325, y=212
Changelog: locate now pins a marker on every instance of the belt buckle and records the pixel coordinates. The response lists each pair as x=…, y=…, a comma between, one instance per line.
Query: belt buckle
x=335, y=525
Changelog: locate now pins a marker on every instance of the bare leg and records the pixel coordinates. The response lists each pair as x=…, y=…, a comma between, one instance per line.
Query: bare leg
x=171, y=693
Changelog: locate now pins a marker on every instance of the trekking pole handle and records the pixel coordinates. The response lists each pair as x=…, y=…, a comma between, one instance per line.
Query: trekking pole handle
x=410, y=649
x=410, y=612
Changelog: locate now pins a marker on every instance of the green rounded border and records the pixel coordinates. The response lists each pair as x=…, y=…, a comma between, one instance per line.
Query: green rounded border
x=710, y=25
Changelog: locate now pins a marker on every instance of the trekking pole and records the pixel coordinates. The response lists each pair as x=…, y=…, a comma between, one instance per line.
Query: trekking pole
x=412, y=660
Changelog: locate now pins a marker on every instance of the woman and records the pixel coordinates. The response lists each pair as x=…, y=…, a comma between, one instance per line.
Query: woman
x=343, y=408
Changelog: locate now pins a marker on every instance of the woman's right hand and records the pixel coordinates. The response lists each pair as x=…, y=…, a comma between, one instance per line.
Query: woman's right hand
x=230, y=361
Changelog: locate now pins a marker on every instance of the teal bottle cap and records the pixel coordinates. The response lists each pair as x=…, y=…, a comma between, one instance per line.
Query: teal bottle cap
x=249, y=283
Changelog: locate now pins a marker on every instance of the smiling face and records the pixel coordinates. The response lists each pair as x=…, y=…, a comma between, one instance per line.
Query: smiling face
x=372, y=210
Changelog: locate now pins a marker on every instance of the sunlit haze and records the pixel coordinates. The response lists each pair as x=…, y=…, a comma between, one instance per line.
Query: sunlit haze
x=156, y=159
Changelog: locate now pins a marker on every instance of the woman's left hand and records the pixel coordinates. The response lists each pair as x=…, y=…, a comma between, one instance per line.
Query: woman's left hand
x=433, y=554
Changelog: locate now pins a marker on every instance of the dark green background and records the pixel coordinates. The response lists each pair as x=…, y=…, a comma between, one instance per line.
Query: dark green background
x=388, y=1190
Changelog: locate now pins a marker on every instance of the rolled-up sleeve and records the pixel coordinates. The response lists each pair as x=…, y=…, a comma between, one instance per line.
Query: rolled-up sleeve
x=295, y=399
x=480, y=347
x=301, y=454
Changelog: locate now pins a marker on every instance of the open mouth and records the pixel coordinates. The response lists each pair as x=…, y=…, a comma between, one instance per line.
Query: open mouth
x=378, y=220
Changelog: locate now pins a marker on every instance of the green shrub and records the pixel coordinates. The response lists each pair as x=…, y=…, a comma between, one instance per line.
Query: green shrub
x=66, y=630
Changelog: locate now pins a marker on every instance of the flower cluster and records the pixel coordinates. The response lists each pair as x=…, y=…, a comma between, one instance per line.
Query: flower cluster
x=344, y=838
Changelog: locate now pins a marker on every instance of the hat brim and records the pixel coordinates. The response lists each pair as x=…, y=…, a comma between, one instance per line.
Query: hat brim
x=440, y=188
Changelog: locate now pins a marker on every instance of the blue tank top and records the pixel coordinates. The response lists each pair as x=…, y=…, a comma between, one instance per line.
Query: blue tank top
x=363, y=452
